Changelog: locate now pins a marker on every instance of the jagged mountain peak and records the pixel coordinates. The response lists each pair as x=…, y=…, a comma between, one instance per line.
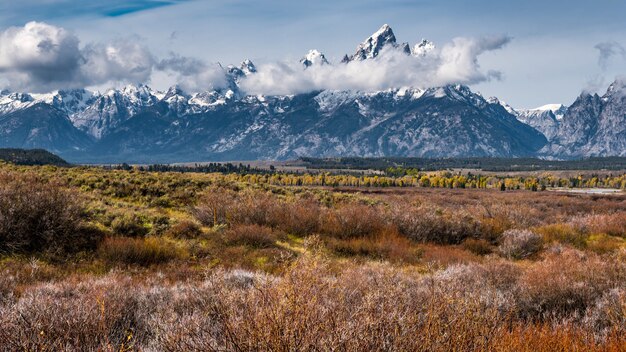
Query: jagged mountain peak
x=384, y=32
x=71, y=101
x=617, y=87
x=136, y=88
x=140, y=94
x=586, y=97
x=235, y=74
x=174, y=91
x=507, y=107
x=20, y=97
x=592, y=126
x=423, y=48
x=371, y=47
x=11, y=101
x=314, y=58
x=247, y=67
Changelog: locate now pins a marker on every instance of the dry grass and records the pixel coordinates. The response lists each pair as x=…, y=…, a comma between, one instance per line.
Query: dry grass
x=300, y=268
x=141, y=251
x=313, y=306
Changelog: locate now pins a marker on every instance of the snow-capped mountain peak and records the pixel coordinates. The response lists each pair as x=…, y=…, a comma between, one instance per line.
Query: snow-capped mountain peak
x=247, y=67
x=141, y=94
x=545, y=119
x=236, y=74
x=457, y=92
x=551, y=107
x=507, y=107
x=20, y=97
x=10, y=102
x=174, y=92
x=557, y=109
x=423, y=48
x=314, y=57
x=372, y=46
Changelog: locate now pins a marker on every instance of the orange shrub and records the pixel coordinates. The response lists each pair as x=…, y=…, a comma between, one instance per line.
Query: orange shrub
x=299, y=217
x=352, y=221
x=610, y=224
x=251, y=235
x=429, y=225
x=184, y=230
x=387, y=245
x=566, y=284
x=478, y=246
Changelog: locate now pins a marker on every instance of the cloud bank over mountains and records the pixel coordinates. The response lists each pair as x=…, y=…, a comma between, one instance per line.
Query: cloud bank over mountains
x=39, y=57
x=456, y=62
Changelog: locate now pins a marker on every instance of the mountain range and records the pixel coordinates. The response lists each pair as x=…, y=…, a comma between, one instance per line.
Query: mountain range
x=139, y=124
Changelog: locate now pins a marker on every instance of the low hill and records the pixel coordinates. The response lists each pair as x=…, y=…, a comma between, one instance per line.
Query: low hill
x=31, y=157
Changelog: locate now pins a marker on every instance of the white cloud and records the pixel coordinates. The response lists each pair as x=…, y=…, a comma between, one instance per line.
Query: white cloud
x=193, y=75
x=42, y=57
x=38, y=54
x=118, y=61
x=456, y=62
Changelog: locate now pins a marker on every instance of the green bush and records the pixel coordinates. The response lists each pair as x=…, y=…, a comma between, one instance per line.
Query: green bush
x=129, y=225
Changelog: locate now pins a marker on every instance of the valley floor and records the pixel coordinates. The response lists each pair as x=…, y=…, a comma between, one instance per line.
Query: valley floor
x=125, y=260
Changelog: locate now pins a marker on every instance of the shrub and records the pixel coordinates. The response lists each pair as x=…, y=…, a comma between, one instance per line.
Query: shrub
x=299, y=218
x=563, y=233
x=564, y=285
x=428, y=225
x=185, y=230
x=519, y=244
x=41, y=216
x=129, y=225
x=141, y=251
x=215, y=207
x=251, y=235
x=160, y=224
x=352, y=221
x=603, y=244
x=478, y=246
x=608, y=312
x=387, y=245
x=610, y=224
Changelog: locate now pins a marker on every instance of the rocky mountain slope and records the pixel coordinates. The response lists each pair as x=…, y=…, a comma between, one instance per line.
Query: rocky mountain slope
x=592, y=126
x=138, y=124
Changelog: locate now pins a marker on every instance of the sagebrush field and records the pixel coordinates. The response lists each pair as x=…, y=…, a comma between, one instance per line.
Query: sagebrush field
x=124, y=260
